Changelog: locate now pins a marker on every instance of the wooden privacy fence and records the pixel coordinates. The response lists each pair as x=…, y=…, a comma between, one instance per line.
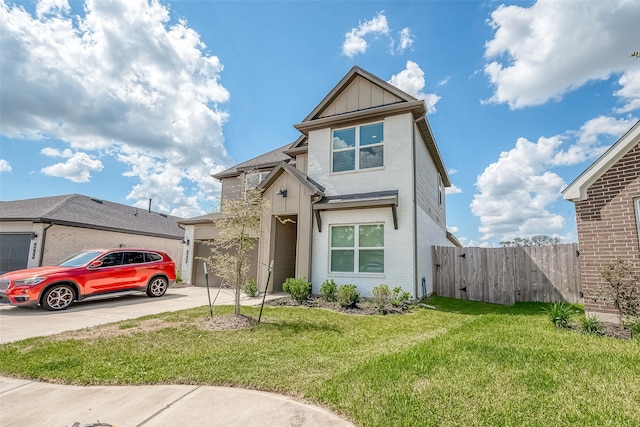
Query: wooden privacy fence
x=508, y=275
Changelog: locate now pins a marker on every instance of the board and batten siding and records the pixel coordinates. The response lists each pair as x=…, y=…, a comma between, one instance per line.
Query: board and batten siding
x=509, y=275
x=361, y=94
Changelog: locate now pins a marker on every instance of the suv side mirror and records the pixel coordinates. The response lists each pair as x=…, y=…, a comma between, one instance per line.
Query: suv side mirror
x=95, y=264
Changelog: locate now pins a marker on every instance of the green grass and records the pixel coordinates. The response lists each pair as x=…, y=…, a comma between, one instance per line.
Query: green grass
x=463, y=364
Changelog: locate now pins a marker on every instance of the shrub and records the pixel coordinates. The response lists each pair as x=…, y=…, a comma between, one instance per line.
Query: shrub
x=380, y=296
x=590, y=324
x=560, y=314
x=328, y=290
x=633, y=324
x=622, y=290
x=400, y=297
x=348, y=296
x=299, y=289
x=250, y=288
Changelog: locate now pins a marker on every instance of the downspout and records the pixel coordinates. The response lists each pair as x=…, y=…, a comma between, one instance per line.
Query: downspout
x=415, y=208
x=44, y=241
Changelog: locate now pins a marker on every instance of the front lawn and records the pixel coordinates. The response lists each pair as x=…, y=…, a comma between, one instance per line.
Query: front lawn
x=464, y=364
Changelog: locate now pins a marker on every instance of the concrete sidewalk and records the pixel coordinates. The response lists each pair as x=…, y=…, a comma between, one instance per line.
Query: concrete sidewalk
x=25, y=403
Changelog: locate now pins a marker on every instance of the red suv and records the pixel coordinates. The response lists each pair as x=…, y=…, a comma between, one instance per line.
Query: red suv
x=91, y=274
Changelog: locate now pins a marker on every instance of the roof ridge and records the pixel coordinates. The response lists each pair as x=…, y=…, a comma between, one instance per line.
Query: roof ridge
x=64, y=199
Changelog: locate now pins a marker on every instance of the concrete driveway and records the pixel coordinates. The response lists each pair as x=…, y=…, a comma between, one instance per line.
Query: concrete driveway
x=17, y=323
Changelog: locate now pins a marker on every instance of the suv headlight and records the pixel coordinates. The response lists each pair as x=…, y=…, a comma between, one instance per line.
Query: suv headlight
x=29, y=282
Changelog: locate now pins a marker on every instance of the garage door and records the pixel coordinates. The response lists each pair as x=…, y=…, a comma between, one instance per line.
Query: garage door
x=14, y=251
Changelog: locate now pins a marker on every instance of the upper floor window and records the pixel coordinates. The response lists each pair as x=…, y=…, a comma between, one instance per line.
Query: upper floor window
x=359, y=147
x=253, y=179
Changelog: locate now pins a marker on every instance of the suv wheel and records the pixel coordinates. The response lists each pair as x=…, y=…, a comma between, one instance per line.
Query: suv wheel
x=157, y=287
x=58, y=297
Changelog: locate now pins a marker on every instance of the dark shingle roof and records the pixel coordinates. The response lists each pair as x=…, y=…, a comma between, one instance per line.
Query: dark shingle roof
x=83, y=211
x=267, y=160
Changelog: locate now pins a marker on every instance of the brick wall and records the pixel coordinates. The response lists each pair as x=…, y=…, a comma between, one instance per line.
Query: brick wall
x=607, y=227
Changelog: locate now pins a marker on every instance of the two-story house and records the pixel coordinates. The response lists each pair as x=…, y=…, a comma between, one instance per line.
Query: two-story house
x=358, y=198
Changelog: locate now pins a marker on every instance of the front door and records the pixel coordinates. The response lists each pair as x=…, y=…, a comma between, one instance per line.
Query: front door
x=284, y=256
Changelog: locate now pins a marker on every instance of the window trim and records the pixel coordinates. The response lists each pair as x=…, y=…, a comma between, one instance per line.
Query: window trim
x=636, y=203
x=356, y=248
x=356, y=148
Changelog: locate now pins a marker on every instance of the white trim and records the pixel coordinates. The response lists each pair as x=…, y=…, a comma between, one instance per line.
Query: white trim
x=636, y=202
x=356, y=248
x=577, y=190
x=357, y=147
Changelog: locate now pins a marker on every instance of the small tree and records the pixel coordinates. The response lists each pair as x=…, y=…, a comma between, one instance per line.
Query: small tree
x=622, y=290
x=239, y=228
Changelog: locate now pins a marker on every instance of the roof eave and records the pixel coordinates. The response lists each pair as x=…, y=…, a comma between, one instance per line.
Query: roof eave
x=577, y=190
x=384, y=110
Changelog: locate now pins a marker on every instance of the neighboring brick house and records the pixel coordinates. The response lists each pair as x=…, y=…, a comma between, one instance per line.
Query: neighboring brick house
x=357, y=198
x=48, y=230
x=607, y=201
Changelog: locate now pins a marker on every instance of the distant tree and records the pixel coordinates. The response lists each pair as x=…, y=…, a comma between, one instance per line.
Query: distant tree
x=538, y=240
x=239, y=228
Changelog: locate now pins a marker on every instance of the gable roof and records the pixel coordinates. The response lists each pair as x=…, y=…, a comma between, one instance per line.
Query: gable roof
x=577, y=190
x=81, y=211
x=313, y=187
x=361, y=95
x=387, y=95
x=264, y=161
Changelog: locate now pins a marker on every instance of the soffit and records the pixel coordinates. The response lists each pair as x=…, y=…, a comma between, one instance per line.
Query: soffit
x=377, y=199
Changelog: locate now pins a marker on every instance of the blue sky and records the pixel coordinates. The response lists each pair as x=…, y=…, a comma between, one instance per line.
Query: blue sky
x=134, y=100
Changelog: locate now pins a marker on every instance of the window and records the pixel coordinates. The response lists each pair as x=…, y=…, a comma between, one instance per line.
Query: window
x=357, y=148
x=112, y=259
x=252, y=180
x=440, y=189
x=357, y=248
x=150, y=257
x=637, y=203
x=133, y=258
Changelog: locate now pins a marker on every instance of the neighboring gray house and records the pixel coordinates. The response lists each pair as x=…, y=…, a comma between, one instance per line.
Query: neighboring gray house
x=48, y=230
x=358, y=198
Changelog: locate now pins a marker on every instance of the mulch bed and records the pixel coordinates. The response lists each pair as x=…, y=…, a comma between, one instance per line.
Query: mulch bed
x=364, y=307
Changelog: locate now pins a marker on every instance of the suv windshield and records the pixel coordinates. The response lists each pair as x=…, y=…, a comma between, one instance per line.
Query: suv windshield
x=80, y=259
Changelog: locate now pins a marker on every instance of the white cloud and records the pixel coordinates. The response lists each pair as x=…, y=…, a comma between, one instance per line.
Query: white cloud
x=411, y=80
x=541, y=52
x=119, y=79
x=454, y=189
x=589, y=145
x=5, y=166
x=54, y=152
x=354, y=41
x=77, y=168
x=514, y=192
x=406, y=40
x=630, y=91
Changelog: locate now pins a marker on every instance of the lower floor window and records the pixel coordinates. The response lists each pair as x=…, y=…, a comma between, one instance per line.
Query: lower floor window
x=357, y=248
